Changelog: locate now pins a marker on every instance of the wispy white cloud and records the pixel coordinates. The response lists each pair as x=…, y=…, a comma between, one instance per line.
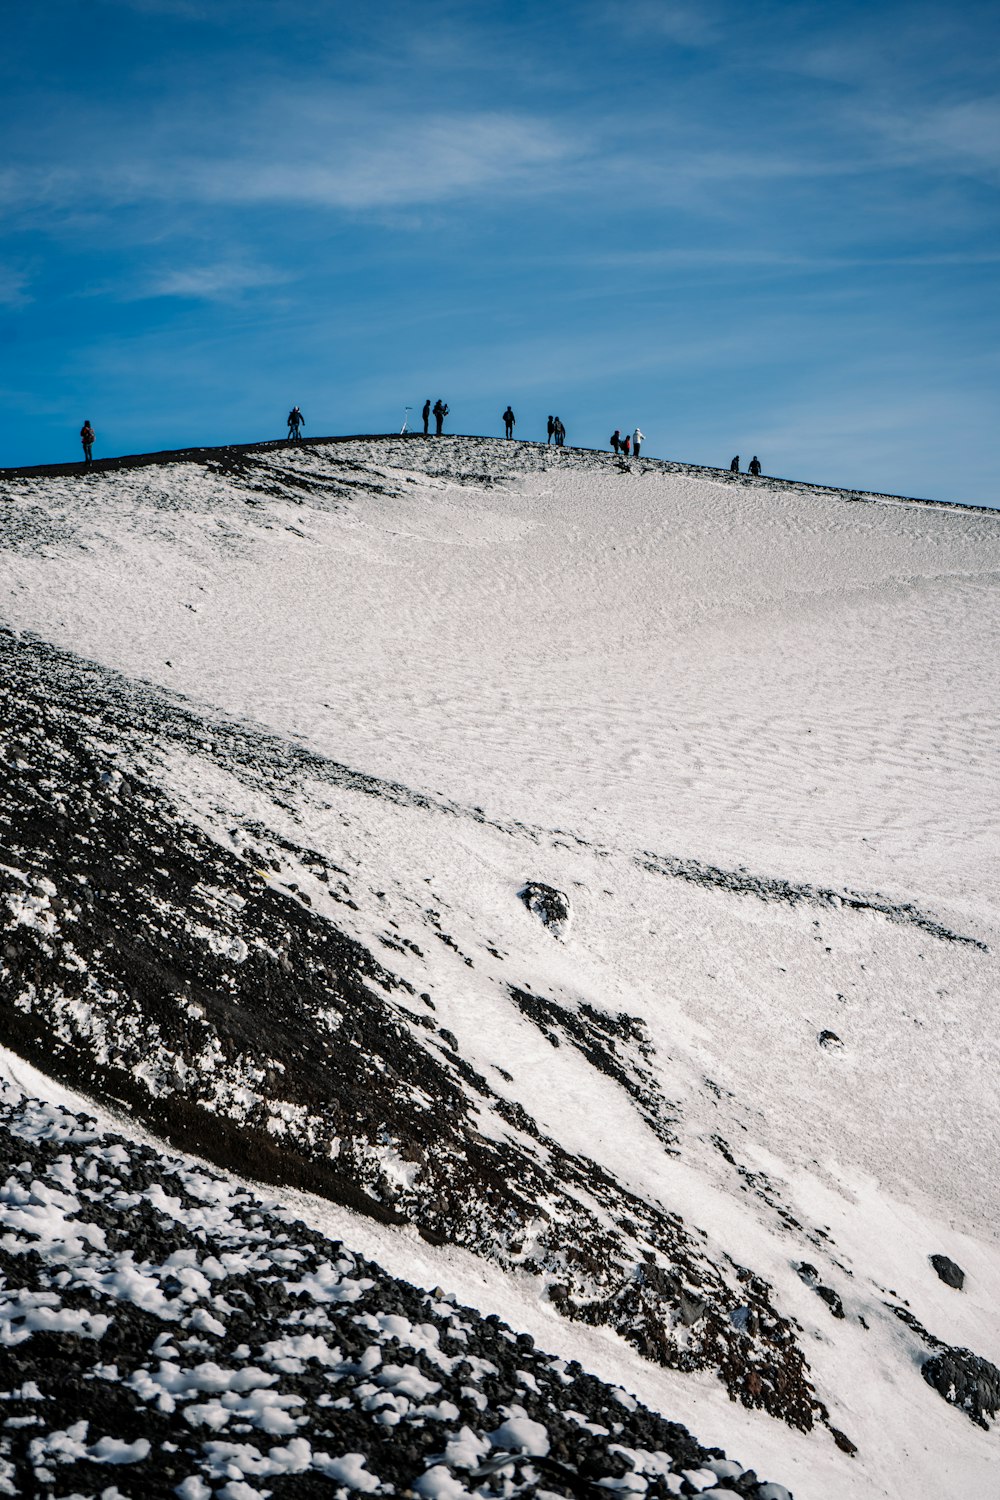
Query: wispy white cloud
x=310, y=153
x=747, y=257
x=962, y=136
x=417, y=160
x=688, y=25
x=222, y=282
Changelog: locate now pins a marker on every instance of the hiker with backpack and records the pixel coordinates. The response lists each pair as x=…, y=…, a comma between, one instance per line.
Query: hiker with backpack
x=734, y=467
x=295, y=421
x=87, y=436
x=753, y=467
x=440, y=412
x=508, y=422
x=615, y=440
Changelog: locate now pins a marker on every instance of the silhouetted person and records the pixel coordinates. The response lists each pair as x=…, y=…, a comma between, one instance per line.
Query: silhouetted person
x=734, y=467
x=426, y=414
x=295, y=421
x=559, y=431
x=87, y=436
x=626, y=445
x=615, y=440
x=637, y=438
x=550, y=428
x=508, y=422
x=753, y=467
x=440, y=412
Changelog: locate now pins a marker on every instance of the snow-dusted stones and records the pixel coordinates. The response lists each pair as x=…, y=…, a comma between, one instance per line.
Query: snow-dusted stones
x=165, y=1333
x=550, y=906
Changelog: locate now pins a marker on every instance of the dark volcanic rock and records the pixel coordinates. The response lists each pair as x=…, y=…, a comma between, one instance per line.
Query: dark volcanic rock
x=832, y=1300
x=166, y=1333
x=546, y=903
x=949, y=1272
x=965, y=1380
x=810, y=1276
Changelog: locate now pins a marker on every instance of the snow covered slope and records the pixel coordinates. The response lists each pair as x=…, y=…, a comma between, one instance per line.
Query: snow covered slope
x=594, y=867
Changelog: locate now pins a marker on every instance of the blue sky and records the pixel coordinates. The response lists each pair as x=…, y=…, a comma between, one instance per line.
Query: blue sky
x=767, y=227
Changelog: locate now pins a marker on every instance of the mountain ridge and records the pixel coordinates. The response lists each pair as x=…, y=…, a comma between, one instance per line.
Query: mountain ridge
x=223, y=451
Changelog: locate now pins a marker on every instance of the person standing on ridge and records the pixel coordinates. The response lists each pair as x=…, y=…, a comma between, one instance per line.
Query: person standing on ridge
x=426, y=414
x=753, y=467
x=626, y=445
x=295, y=421
x=734, y=467
x=508, y=422
x=637, y=438
x=440, y=412
x=550, y=428
x=87, y=436
x=615, y=440
x=560, y=431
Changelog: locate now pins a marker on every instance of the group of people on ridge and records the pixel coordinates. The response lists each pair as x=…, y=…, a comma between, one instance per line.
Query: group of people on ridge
x=625, y=447
x=628, y=445
x=440, y=410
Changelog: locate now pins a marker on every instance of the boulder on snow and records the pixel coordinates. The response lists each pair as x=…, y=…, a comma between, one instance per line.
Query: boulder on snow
x=547, y=904
x=965, y=1380
x=832, y=1300
x=810, y=1276
x=949, y=1272
x=830, y=1040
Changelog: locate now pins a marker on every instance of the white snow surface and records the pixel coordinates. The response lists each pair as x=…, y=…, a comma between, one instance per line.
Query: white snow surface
x=603, y=664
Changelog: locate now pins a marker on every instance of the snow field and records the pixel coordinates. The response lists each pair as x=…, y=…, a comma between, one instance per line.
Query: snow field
x=605, y=666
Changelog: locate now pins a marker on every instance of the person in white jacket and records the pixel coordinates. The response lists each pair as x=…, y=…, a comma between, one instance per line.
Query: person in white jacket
x=637, y=438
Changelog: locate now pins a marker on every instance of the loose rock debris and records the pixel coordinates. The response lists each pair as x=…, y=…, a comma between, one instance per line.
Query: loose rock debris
x=165, y=1332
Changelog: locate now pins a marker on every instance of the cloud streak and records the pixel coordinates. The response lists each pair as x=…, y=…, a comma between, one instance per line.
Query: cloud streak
x=223, y=282
x=963, y=136
x=351, y=159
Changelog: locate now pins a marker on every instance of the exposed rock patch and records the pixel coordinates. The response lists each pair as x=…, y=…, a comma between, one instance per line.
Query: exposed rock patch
x=550, y=906
x=951, y=1274
x=810, y=1276
x=771, y=888
x=965, y=1380
x=144, y=961
x=167, y=1333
